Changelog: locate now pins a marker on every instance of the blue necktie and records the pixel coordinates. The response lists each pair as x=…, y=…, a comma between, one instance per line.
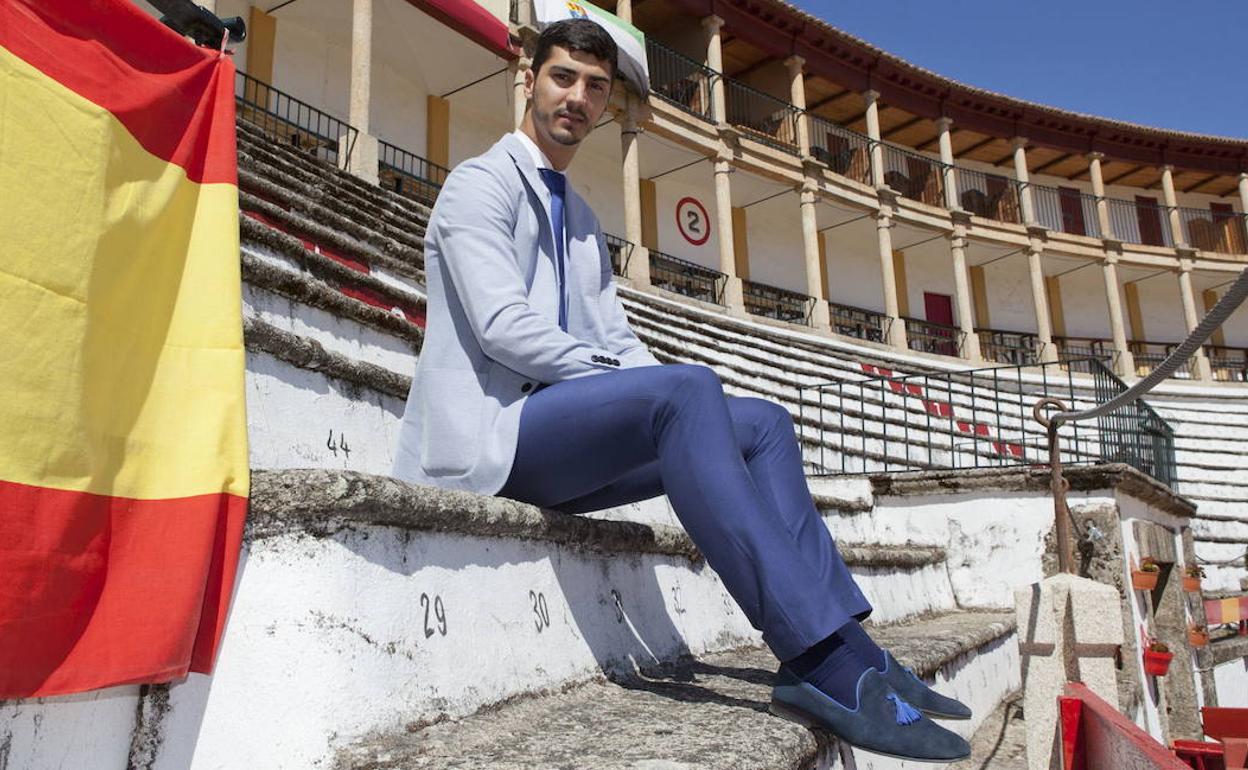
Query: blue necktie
x=557, y=184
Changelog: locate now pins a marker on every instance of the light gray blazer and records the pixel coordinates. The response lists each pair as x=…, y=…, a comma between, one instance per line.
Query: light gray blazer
x=492, y=323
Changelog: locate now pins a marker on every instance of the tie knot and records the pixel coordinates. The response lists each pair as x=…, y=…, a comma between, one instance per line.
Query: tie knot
x=555, y=181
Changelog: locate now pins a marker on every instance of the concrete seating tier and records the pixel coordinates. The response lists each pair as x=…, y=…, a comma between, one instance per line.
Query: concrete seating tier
x=752, y=357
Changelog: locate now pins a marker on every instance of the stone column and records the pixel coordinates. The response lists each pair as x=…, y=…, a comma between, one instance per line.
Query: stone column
x=1125, y=366
x=1098, y=189
x=1044, y=325
x=820, y=317
x=362, y=160
x=733, y=298
x=639, y=260
x=883, y=230
x=962, y=287
x=873, y=133
x=797, y=96
x=518, y=103
x=624, y=10
x=1024, y=180
x=715, y=61
x=1201, y=369
x=946, y=157
x=1172, y=206
x=1243, y=192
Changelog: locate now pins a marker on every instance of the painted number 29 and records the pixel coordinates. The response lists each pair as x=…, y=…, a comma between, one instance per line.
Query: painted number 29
x=439, y=614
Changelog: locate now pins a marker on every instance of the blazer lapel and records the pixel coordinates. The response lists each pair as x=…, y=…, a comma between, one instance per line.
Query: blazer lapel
x=528, y=172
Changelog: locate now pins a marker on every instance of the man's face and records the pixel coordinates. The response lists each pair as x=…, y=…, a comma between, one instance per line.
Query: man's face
x=569, y=95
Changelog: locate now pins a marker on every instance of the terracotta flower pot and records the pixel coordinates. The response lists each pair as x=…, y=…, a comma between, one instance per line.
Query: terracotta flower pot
x=1157, y=663
x=1144, y=581
x=1197, y=637
x=1191, y=584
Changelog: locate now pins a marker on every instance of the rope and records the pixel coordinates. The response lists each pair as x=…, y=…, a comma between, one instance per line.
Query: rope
x=1230, y=301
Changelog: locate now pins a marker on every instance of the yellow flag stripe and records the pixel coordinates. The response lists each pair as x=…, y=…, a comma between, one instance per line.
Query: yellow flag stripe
x=122, y=352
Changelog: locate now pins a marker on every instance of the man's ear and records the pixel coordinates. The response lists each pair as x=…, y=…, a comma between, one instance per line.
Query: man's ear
x=530, y=77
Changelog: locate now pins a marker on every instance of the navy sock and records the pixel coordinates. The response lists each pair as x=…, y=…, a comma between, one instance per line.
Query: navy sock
x=863, y=645
x=831, y=666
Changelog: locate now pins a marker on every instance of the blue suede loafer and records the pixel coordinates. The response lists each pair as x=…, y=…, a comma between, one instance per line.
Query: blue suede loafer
x=916, y=692
x=883, y=722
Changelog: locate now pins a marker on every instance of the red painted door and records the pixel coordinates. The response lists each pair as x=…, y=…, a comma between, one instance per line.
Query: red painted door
x=1072, y=211
x=1148, y=214
x=938, y=309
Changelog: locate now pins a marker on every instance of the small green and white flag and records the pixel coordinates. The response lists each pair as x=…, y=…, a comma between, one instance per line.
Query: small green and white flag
x=631, y=41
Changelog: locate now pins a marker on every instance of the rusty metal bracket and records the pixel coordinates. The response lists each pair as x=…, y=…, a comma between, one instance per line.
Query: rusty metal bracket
x=1057, y=483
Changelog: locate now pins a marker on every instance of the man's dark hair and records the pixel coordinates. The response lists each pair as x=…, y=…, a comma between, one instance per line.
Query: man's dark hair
x=576, y=35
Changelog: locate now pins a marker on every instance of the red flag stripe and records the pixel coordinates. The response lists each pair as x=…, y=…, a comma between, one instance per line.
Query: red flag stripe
x=87, y=49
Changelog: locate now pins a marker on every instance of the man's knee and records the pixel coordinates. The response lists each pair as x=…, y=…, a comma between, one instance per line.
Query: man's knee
x=762, y=413
x=688, y=378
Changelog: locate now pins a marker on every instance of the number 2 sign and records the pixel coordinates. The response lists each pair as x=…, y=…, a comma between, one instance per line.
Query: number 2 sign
x=692, y=221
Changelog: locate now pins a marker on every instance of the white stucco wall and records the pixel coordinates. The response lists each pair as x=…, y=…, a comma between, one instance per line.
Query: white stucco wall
x=777, y=252
x=1231, y=682
x=668, y=192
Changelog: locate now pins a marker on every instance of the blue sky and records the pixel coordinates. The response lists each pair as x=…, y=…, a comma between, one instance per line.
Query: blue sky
x=1177, y=65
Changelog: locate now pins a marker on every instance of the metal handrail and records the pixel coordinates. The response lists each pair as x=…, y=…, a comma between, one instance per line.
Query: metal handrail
x=621, y=251
x=687, y=278
x=410, y=174
x=680, y=80
x=775, y=302
x=288, y=119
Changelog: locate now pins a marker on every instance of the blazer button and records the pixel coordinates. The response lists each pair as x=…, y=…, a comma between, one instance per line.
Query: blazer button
x=596, y=359
x=615, y=361
x=526, y=387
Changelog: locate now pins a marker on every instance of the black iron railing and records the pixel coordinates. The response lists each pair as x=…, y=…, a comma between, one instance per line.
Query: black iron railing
x=846, y=152
x=687, y=278
x=1072, y=352
x=287, y=120
x=1065, y=210
x=774, y=302
x=409, y=174
x=621, y=251
x=914, y=176
x=929, y=337
x=1228, y=364
x=973, y=419
x=1135, y=434
x=989, y=195
x=860, y=322
x=1148, y=355
x=1007, y=347
x=762, y=117
x=680, y=80
x=1217, y=231
x=1141, y=223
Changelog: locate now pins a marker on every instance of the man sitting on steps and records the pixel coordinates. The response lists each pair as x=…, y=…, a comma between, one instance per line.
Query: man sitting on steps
x=531, y=385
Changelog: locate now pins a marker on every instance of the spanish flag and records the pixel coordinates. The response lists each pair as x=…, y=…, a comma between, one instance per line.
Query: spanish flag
x=123, y=453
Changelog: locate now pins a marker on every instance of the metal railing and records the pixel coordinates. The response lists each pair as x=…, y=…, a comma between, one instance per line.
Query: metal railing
x=1221, y=232
x=1007, y=347
x=929, y=337
x=680, y=80
x=1065, y=210
x=409, y=174
x=989, y=195
x=914, y=176
x=290, y=121
x=1228, y=364
x=774, y=302
x=687, y=278
x=1133, y=434
x=975, y=418
x=1140, y=223
x=1072, y=350
x=1149, y=355
x=859, y=322
x=845, y=152
x=763, y=117
x=621, y=252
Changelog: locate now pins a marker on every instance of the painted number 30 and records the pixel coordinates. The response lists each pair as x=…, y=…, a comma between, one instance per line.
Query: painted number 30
x=541, y=614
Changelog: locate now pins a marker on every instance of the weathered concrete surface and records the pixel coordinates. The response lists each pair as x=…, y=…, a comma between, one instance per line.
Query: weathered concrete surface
x=1069, y=629
x=1000, y=743
x=307, y=353
x=709, y=714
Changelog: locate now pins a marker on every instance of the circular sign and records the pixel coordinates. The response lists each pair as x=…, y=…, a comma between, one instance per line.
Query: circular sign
x=692, y=221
